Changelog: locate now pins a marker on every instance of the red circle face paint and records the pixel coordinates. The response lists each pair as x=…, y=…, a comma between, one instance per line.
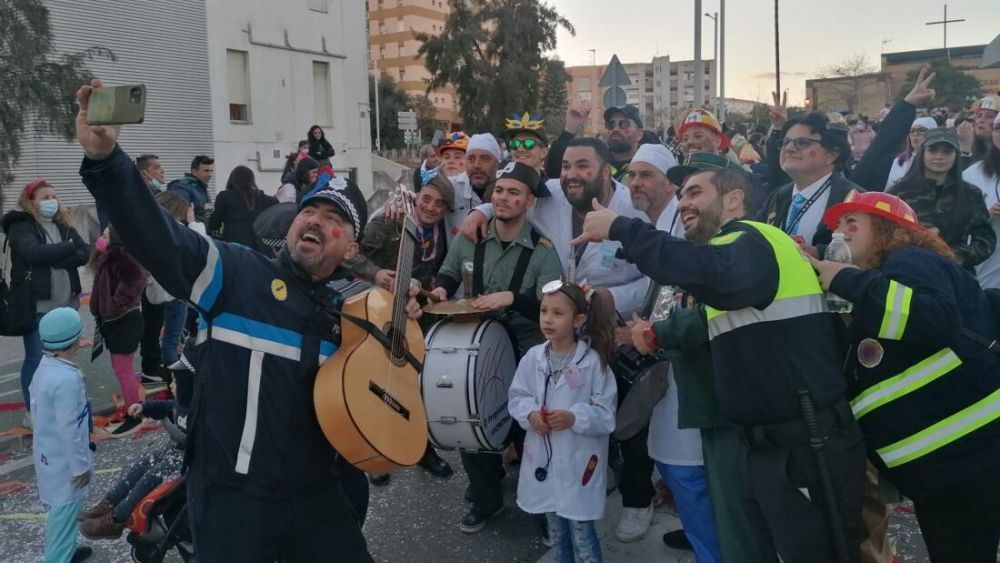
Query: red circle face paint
x=517, y=202
x=335, y=232
x=852, y=228
x=812, y=153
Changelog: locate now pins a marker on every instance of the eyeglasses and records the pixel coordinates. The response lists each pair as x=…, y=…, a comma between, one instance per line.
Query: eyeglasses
x=918, y=130
x=801, y=143
x=621, y=123
x=528, y=144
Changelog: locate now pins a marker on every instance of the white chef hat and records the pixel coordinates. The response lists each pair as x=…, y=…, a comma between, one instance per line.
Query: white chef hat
x=486, y=143
x=657, y=155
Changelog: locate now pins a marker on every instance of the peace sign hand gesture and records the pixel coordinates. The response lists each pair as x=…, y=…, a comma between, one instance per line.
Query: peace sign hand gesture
x=779, y=111
x=920, y=95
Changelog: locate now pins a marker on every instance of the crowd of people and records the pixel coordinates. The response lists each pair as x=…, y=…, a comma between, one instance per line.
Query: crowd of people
x=777, y=428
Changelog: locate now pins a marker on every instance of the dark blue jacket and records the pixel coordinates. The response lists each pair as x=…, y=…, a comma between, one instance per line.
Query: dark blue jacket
x=894, y=395
x=758, y=369
x=193, y=191
x=261, y=339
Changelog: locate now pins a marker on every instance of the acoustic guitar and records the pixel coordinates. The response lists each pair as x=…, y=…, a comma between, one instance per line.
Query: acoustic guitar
x=367, y=395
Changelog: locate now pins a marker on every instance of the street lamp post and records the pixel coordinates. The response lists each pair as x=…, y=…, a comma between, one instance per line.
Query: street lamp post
x=715, y=55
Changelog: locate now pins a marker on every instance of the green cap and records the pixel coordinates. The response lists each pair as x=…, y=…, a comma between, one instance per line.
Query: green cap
x=941, y=135
x=697, y=162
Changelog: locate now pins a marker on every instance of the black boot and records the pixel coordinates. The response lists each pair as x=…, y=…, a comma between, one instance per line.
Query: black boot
x=434, y=464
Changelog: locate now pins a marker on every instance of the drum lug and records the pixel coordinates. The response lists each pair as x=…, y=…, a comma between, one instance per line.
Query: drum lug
x=448, y=420
x=444, y=383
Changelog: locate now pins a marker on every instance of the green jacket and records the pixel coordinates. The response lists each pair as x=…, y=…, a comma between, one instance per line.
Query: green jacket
x=380, y=247
x=498, y=265
x=683, y=339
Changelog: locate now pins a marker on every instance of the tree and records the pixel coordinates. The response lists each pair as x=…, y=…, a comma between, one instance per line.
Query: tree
x=852, y=74
x=39, y=87
x=426, y=116
x=554, y=100
x=492, y=51
x=392, y=100
x=952, y=88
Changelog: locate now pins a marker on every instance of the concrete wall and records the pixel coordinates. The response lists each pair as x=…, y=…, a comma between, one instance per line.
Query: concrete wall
x=282, y=40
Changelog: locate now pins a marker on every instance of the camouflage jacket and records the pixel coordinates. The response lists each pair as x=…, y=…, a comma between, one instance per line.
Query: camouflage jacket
x=380, y=247
x=958, y=211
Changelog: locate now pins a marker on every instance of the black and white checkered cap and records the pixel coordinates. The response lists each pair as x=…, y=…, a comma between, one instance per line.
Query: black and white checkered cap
x=335, y=192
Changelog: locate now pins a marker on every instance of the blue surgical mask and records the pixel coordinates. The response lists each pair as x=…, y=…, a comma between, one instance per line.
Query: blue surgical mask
x=48, y=208
x=156, y=184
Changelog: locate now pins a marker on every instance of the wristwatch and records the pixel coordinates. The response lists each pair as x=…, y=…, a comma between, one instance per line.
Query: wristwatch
x=649, y=337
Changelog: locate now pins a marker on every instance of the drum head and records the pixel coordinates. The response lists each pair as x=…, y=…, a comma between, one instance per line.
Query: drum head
x=493, y=369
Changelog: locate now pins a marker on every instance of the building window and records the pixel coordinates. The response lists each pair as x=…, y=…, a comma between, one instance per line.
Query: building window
x=584, y=96
x=322, y=101
x=381, y=28
x=401, y=48
x=381, y=53
x=402, y=73
x=238, y=82
x=400, y=25
x=318, y=5
x=583, y=84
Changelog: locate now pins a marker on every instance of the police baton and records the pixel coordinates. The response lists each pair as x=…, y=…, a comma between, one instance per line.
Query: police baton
x=817, y=442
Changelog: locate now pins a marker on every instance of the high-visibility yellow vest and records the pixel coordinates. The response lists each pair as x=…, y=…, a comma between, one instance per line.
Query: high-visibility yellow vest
x=799, y=292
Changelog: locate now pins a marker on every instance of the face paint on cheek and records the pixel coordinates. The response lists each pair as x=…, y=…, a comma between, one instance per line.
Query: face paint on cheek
x=517, y=202
x=812, y=153
x=335, y=232
x=852, y=228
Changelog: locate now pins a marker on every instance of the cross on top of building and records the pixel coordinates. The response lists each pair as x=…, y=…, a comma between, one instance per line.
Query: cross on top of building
x=944, y=22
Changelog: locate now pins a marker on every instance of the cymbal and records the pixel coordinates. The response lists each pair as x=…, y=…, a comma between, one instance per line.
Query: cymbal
x=457, y=307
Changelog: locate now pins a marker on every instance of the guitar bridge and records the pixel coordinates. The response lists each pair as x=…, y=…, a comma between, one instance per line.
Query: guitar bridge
x=389, y=400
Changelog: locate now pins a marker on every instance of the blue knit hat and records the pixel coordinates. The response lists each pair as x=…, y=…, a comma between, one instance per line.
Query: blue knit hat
x=60, y=328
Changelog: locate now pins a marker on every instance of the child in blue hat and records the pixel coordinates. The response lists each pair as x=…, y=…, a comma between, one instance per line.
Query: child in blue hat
x=62, y=451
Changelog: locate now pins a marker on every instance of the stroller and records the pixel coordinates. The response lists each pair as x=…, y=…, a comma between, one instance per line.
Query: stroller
x=159, y=523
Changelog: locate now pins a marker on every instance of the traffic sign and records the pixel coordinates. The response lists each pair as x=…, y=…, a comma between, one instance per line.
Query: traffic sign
x=615, y=75
x=615, y=97
x=407, y=120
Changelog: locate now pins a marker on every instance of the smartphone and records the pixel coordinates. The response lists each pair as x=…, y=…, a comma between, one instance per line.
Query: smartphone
x=114, y=105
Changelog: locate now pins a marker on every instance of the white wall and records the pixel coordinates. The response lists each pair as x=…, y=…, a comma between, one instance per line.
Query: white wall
x=281, y=83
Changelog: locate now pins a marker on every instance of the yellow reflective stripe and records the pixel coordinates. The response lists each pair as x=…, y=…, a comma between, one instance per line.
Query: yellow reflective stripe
x=942, y=433
x=796, y=275
x=725, y=239
x=790, y=308
x=910, y=380
x=897, y=311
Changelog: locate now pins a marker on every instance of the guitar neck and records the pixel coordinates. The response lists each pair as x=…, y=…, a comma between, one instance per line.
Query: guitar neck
x=404, y=271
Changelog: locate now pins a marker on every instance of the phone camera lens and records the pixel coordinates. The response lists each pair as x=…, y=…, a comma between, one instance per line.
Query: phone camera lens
x=135, y=95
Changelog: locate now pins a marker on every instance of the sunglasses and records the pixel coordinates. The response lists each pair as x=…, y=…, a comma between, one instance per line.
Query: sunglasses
x=802, y=143
x=528, y=144
x=621, y=123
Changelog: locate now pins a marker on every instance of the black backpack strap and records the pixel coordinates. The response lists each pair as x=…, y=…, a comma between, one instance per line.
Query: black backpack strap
x=522, y=263
x=478, y=259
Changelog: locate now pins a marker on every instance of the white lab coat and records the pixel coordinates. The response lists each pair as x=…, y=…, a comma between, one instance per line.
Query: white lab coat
x=589, y=392
x=599, y=268
x=60, y=416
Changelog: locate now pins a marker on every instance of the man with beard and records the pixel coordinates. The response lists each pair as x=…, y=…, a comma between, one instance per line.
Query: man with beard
x=586, y=175
x=776, y=357
x=261, y=469
x=623, y=133
x=510, y=267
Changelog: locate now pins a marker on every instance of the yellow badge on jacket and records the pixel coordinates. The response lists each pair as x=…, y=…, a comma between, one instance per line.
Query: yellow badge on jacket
x=279, y=290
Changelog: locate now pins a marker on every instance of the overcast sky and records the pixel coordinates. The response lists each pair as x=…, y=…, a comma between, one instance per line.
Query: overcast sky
x=813, y=34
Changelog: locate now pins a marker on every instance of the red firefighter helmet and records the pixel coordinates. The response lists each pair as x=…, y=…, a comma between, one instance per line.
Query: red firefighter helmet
x=882, y=204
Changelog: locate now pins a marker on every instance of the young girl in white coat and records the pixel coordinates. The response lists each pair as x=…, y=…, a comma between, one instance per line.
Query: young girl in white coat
x=564, y=395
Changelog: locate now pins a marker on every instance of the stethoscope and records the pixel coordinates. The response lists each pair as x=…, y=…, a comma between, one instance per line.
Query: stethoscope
x=541, y=473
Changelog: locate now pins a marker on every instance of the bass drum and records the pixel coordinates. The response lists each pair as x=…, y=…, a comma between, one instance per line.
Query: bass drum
x=468, y=370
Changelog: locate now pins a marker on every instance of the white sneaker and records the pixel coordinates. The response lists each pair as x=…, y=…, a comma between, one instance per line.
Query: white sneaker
x=633, y=524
